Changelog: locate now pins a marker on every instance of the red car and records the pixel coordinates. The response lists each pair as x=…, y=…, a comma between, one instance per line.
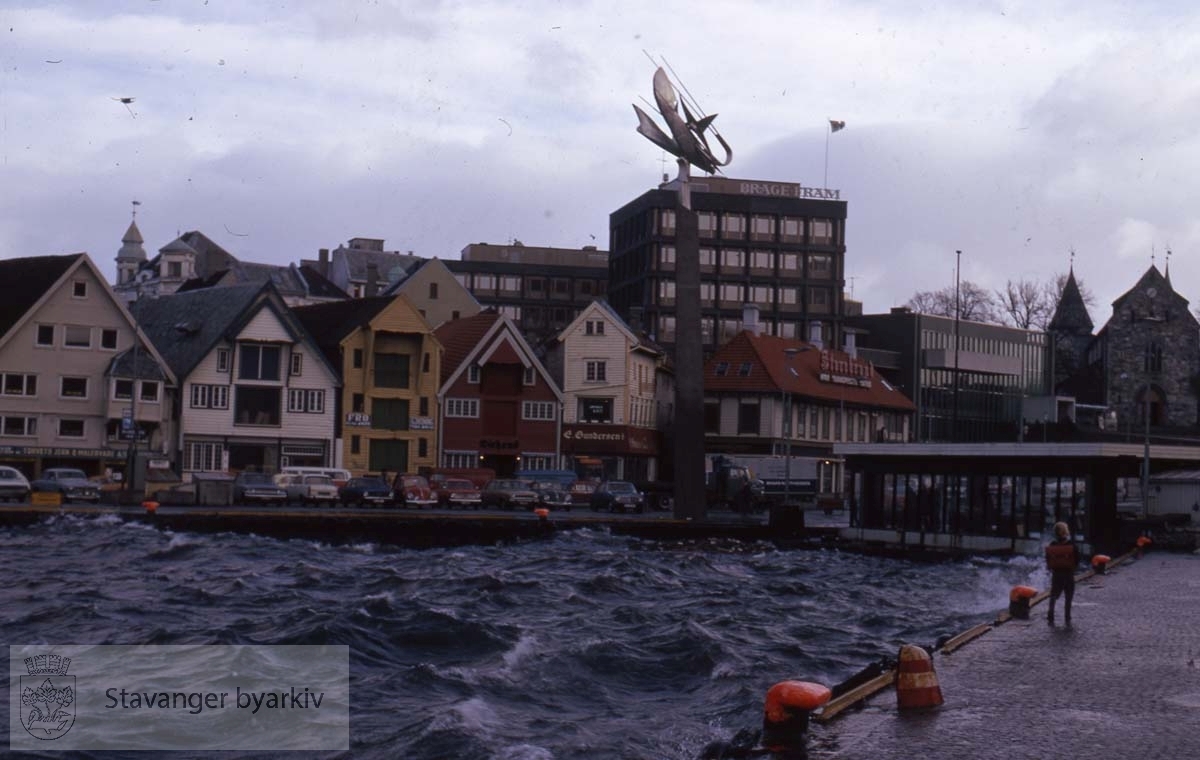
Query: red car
x=456, y=492
x=413, y=491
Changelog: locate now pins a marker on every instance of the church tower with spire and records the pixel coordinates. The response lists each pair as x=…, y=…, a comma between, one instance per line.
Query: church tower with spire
x=132, y=255
x=1071, y=328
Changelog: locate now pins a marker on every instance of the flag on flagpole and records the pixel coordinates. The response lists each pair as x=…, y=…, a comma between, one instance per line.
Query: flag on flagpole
x=835, y=126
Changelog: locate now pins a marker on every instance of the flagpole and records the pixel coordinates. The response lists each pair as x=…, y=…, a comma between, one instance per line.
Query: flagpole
x=825, y=179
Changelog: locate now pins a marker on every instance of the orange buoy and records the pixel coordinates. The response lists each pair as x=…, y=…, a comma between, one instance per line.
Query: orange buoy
x=150, y=506
x=1143, y=543
x=786, y=711
x=1100, y=563
x=1018, y=601
x=542, y=512
x=916, y=682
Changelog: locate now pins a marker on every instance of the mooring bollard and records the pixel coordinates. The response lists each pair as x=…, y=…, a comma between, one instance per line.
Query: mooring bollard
x=1143, y=544
x=916, y=682
x=1018, y=601
x=1100, y=563
x=785, y=714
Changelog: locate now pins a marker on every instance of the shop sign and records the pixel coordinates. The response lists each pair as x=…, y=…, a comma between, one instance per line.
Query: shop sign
x=498, y=444
x=56, y=451
x=420, y=423
x=358, y=419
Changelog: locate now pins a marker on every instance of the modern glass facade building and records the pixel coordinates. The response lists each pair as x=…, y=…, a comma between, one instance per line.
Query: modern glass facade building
x=996, y=368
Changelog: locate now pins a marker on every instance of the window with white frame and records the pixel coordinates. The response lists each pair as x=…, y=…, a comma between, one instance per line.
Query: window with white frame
x=593, y=327
x=297, y=363
x=530, y=376
x=473, y=373
x=70, y=428
x=18, y=384
x=462, y=407
x=733, y=258
x=210, y=396
x=203, y=456
x=596, y=371
x=18, y=426
x=762, y=260
x=708, y=257
x=537, y=461
x=222, y=360
x=311, y=401
x=77, y=336
x=45, y=335
x=122, y=389
x=258, y=362
x=538, y=410
x=108, y=339
x=79, y=289
x=73, y=387
x=460, y=459
x=149, y=391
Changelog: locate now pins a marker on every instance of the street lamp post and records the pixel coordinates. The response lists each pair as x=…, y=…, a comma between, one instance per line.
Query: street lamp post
x=1146, y=457
x=957, y=317
x=789, y=354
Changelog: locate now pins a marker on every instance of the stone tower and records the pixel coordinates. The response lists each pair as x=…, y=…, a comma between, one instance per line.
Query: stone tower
x=1152, y=347
x=1071, y=328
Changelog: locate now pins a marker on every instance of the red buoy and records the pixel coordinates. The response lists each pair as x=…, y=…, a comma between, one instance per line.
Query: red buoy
x=150, y=506
x=916, y=682
x=1100, y=563
x=542, y=512
x=786, y=711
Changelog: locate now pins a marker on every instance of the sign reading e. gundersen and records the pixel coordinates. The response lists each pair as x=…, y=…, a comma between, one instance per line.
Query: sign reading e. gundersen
x=179, y=697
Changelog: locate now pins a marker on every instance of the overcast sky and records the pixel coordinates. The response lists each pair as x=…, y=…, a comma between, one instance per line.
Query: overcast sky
x=1014, y=131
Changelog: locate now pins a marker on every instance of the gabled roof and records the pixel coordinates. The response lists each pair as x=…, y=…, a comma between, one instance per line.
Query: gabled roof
x=769, y=370
x=320, y=286
x=484, y=338
x=185, y=327
x=459, y=337
x=638, y=340
x=1152, y=278
x=390, y=265
x=330, y=323
x=25, y=281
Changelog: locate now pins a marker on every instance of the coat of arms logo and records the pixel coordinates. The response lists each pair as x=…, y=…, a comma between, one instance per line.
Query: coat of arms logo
x=46, y=694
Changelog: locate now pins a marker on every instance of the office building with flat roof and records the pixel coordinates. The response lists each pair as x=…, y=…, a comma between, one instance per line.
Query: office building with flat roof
x=778, y=245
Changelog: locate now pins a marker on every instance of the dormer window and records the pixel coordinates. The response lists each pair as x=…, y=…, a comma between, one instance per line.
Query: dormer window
x=744, y=370
x=722, y=369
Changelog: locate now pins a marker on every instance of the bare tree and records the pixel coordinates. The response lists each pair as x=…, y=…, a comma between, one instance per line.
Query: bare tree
x=1027, y=304
x=975, y=303
x=1060, y=282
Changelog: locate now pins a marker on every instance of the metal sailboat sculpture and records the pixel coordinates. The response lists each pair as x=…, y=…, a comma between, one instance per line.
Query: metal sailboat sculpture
x=688, y=138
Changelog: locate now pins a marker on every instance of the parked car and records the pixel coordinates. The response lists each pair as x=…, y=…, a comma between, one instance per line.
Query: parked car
x=553, y=495
x=257, y=488
x=507, y=493
x=365, y=490
x=13, y=484
x=308, y=489
x=582, y=490
x=618, y=494
x=457, y=492
x=413, y=491
x=73, y=484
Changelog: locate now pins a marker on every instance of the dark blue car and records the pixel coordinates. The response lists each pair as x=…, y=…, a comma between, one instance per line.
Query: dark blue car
x=365, y=491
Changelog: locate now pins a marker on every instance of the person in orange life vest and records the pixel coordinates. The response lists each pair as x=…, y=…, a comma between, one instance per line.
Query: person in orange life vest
x=1062, y=558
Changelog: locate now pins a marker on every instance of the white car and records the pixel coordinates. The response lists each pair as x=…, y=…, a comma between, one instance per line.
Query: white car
x=13, y=484
x=308, y=488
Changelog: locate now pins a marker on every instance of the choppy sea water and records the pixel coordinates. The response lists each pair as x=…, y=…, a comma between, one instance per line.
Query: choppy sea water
x=583, y=645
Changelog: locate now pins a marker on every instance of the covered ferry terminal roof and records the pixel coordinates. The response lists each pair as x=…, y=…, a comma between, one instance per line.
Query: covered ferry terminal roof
x=968, y=489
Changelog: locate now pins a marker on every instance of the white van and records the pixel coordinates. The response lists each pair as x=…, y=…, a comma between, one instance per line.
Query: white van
x=336, y=474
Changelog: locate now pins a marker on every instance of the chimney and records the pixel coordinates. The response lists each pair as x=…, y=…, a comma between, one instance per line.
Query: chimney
x=323, y=261
x=814, y=334
x=750, y=318
x=851, y=347
x=372, y=288
x=635, y=318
